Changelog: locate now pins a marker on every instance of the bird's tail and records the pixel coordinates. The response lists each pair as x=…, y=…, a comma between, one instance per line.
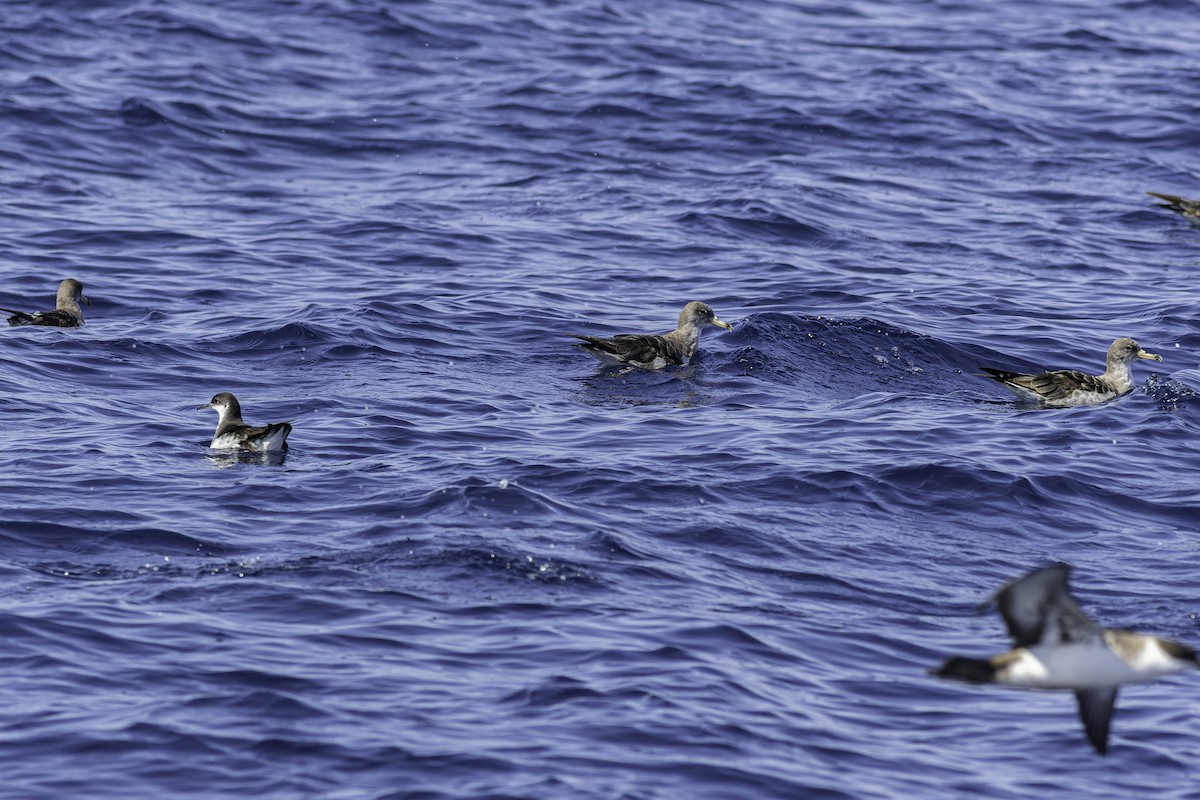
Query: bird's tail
x=274, y=437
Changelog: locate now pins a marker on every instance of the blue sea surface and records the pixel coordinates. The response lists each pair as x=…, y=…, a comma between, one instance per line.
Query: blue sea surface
x=488, y=568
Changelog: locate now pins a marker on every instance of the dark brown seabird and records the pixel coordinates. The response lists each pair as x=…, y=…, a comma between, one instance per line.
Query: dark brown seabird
x=66, y=313
x=233, y=433
x=655, y=351
x=1056, y=646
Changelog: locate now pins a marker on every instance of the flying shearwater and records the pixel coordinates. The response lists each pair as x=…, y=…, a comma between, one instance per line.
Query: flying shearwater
x=1056, y=646
x=655, y=351
x=1180, y=205
x=1063, y=388
x=233, y=433
x=66, y=313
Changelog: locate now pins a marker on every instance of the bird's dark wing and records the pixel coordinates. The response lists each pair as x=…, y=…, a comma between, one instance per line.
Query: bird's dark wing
x=57, y=319
x=633, y=348
x=254, y=435
x=1054, y=385
x=1096, y=710
x=53, y=319
x=1038, y=607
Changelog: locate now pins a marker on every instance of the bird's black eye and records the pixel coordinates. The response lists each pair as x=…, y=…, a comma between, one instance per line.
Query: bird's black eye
x=1129, y=348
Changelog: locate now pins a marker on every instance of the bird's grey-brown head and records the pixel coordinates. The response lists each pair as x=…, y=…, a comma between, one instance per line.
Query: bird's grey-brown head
x=71, y=291
x=700, y=314
x=1127, y=350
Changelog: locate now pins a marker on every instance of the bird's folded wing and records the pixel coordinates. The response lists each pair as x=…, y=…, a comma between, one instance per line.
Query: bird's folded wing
x=638, y=348
x=1059, y=384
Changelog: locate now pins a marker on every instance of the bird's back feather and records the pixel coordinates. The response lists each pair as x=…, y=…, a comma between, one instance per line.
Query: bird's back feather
x=630, y=348
x=1059, y=384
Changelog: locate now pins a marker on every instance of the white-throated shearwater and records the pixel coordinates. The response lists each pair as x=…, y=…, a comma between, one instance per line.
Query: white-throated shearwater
x=1189, y=209
x=1064, y=388
x=655, y=351
x=233, y=433
x=1056, y=646
x=66, y=313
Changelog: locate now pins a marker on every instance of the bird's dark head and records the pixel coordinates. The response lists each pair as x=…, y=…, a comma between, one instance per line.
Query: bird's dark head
x=71, y=291
x=971, y=670
x=222, y=403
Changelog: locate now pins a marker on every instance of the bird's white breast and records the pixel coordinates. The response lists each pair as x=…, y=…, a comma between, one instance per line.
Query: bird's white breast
x=1079, y=666
x=226, y=441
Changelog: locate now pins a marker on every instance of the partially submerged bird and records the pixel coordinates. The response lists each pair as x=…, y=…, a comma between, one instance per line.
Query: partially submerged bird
x=655, y=351
x=66, y=313
x=1063, y=388
x=1056, y=646
x=233, y=433
x=1180, y=205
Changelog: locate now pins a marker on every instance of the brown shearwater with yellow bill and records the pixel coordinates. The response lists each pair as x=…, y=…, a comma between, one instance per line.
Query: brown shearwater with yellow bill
x=655, y=351
x=1064, y=388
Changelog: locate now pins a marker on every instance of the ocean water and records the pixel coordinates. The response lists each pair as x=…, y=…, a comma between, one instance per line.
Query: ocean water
x=488, y=569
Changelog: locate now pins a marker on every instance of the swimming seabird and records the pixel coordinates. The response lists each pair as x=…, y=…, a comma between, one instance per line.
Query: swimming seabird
x=233, y=433
x=1062, y=388
x=655, y=351
x=66, y=313
x=1180, y=205
x=1056, y=646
